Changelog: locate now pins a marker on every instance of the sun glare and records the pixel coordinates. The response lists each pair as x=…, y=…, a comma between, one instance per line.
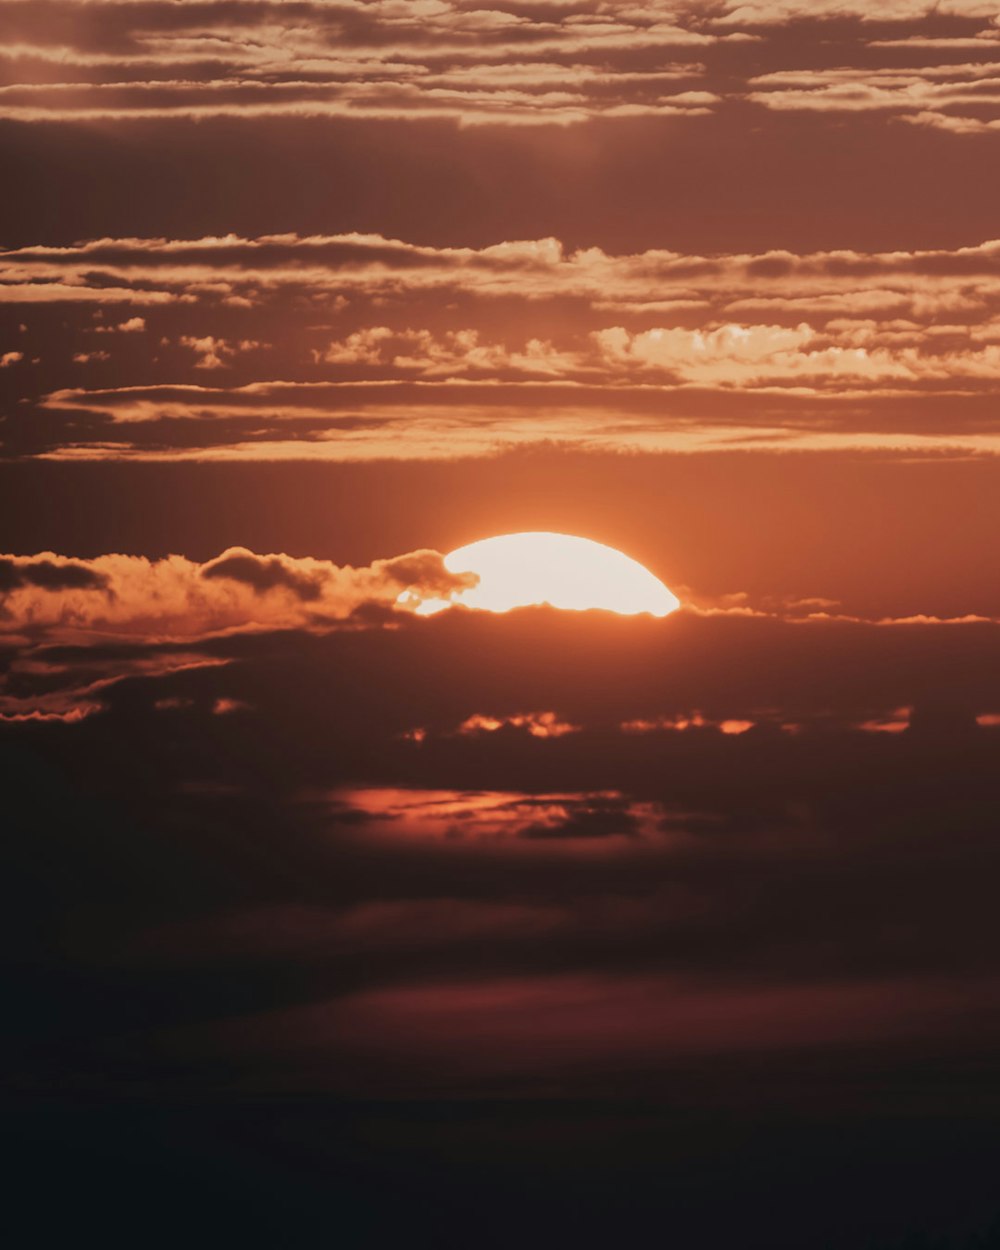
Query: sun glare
x=521, y=570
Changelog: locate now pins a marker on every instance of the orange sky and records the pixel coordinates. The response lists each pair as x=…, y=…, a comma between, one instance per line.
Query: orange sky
x=295, y=299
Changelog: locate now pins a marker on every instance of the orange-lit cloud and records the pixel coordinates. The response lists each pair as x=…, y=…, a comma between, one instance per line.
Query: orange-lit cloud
x=680, y=723
x=537, y=724
x=513, y=65
x=354, y=347
x=370, y=265
x=443, y=60
x=118, y=596
x=502, y=818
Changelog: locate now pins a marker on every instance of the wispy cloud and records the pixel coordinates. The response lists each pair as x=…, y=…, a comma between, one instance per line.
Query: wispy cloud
x=510, y=65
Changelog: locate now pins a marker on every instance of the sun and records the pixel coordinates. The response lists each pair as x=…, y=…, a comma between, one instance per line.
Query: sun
x=521, y=570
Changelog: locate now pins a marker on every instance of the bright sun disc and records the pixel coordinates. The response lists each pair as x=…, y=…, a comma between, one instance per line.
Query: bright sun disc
x=520, y=570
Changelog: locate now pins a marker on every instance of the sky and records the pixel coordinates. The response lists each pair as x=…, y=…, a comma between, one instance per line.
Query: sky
x=578, y=919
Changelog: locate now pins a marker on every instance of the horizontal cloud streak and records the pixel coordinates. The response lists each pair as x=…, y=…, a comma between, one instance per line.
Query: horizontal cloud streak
x=356, y=346
x=510, y=65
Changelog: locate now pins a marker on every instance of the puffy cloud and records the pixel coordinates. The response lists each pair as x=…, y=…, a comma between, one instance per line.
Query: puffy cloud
x=453, y=354
x=264, y=574
x=537, y=724
x=119, y=596
x=212, y=352
x=739, y=354
x=360, y=347
x=770, y=354
x=156, y=616
x=132, y=325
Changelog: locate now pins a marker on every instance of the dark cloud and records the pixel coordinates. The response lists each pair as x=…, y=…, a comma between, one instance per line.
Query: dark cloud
x=49, y=575
x=426, y=569
x=264, y=574
x=741, y=853
x=600, y=816
x=798, y=924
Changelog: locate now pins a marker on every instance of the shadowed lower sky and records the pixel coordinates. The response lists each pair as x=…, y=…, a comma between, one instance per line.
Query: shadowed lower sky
x=319, y=900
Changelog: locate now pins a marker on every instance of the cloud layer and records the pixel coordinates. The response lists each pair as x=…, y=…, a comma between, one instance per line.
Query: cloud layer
x=509, y=65
x=604, y=897
x=356, y=346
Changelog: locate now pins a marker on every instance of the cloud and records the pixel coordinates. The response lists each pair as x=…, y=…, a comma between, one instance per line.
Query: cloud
x=587, y=816
x=50, y=574
x=120, y=596
x=561, y=64
x=454, y=354
x=344, y=907
x=507, y=66
x=212, y=352
x=157, y=615
x=496, y=817
x=227, y=707
x=373, y=266
x=538, y=724
x=583, y=1029
x=756, y=355
x=132, y=325
x=263, y=574
x=962, y=99
x=685, y=721
x=379, y=348
x=776, y=12
x=72, y=631
x=564, y=64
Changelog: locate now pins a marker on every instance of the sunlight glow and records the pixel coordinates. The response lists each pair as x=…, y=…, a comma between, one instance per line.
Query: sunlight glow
x=520, y=570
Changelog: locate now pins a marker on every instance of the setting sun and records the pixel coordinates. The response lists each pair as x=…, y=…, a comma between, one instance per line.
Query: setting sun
x=520, y=570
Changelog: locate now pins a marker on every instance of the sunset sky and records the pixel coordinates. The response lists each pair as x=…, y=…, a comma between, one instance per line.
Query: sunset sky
x=327, y=888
